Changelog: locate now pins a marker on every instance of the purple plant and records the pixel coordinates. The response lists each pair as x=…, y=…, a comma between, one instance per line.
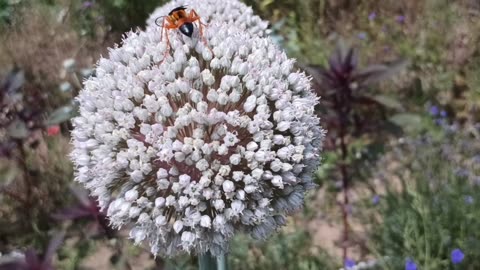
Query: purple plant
x=372, y=16
x=87, y=208
x=341, y=84
x=35, y=261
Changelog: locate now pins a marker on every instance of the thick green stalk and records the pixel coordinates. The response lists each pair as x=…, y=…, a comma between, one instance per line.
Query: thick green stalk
x=208, y=262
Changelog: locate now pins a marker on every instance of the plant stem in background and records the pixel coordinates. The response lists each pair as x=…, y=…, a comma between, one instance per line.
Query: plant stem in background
x=341, y=83
x=345, y=181
x=342, y=109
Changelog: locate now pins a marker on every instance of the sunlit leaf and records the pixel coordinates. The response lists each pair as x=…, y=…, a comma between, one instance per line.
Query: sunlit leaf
x=61, y=115
x=376, y=73
x=388, y=102
x=408, y=121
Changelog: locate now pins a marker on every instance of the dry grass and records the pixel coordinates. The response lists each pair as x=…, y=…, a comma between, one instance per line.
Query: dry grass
x=39, y=40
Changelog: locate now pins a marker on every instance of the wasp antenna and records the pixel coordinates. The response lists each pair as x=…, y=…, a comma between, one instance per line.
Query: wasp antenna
x=156, y=20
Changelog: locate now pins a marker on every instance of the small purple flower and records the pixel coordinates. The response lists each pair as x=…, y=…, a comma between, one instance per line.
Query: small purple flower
x=400, y=18
x=362, y=35
x=440, y=122
x=410, y=264
x=461, y=172
x=87, y=4
x=372, y=16
x=434, y=111
x=349, y=263
x=375, y=199
x=468, y=199
x=476, y=159
x=457, y=256
x=443, y=113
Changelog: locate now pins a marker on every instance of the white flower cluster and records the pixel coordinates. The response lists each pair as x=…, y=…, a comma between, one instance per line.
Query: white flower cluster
x=197, y=147
x=230, y=12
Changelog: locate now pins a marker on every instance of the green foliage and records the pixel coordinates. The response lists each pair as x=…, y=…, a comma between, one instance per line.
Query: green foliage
x=423, y=214
x=285, y=250
x=295, y=27
x=7, y=8
x=433, y=208
x=289, y=251
x=124, y=15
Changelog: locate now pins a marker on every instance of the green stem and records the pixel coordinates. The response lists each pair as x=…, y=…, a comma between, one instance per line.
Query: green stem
x=222, y=262
x=208, y=262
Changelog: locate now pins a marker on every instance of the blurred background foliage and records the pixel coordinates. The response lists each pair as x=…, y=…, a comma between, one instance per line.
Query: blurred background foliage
x=410, y=132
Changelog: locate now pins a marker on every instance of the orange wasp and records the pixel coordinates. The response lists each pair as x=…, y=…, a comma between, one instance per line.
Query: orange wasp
x=179, y=19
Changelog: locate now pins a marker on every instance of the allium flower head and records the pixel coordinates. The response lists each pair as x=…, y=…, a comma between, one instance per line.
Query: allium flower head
x=231, y=12
x=192, y=149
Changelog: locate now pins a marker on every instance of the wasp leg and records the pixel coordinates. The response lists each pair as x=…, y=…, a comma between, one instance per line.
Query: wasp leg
x=193, y=16
x=165, y=28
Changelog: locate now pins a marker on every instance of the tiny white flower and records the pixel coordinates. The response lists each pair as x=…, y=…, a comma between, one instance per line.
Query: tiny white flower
x=160, y=220
x=235, y=159
x=237, y=207
x=228, y=186
x=134, y=212
x=237, y=175
x=206, y=221
x=188, y=238
x=202, y=165
x=159, y=202
x=184, y=180
x=178, y=226
x=277, y=181
x=131, y=195
x=219, y=205
x=137, y=176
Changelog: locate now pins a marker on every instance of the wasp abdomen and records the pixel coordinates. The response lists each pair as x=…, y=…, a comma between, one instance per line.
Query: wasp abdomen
x=186, y=29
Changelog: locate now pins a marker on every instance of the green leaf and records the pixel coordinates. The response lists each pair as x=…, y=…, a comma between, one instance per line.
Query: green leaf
x=17, y=129
x=7, y=175
x=408, y=121
x=376, y=73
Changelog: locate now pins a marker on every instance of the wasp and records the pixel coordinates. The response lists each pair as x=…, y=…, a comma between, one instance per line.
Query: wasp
x=180, y=19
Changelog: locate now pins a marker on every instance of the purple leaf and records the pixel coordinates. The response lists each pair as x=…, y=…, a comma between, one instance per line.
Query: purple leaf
x=53, y=246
